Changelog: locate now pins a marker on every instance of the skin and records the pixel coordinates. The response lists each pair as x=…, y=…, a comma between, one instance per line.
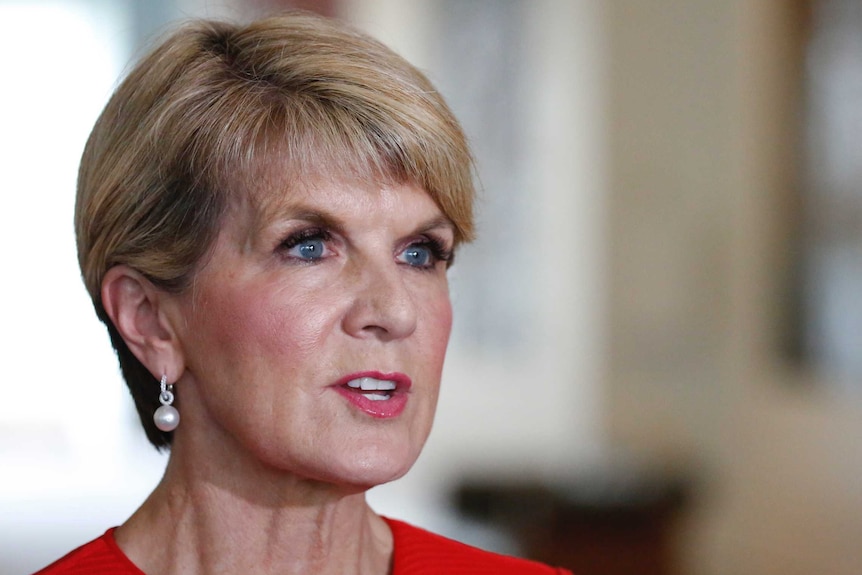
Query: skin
x=270, y=463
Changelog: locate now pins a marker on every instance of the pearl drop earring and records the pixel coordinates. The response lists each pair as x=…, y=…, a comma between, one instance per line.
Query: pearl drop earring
x=166, y=417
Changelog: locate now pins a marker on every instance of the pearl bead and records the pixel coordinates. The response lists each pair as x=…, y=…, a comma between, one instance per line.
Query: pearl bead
x=166, y=418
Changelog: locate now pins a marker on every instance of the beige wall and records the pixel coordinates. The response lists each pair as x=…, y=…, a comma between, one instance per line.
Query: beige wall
x=703, y=172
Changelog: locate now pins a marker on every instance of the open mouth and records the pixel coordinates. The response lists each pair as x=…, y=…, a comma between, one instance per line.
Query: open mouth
x=378, y=394
x=373, y=389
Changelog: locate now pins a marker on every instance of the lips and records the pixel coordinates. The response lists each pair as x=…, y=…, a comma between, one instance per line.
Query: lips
x=380, y=395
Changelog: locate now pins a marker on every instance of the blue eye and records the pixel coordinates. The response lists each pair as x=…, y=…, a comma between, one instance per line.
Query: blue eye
x=307, y=245
x=417, y=255
x=311, y=249
x=425, y=253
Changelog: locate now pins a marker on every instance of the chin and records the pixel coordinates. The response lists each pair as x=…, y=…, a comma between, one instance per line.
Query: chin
x=354, y=466
x=367, y=467
x=372, y=467
x=369, y=459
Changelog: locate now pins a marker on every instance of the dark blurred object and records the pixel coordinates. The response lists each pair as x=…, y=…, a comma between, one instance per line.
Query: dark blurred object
x=602, y=524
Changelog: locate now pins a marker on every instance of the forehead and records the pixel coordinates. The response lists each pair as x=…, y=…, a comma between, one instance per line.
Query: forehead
x=333, y=198
x=289, y=172
x=278, y=194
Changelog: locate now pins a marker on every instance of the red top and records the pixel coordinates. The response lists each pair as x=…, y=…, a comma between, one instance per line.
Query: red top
x=417, y=552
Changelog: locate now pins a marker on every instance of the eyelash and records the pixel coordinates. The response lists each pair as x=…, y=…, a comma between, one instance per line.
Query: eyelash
x=301, y=236
x=439, y=251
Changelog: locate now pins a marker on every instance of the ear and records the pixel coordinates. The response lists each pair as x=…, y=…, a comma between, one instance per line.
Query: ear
x=138, y=310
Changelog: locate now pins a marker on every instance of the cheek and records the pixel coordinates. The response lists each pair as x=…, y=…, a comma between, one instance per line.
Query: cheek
x=271, y=323
x=439, y=321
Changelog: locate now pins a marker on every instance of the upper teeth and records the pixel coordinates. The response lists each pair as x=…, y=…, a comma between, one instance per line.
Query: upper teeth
x=371, y=384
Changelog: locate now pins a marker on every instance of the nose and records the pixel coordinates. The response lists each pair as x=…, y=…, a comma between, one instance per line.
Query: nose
x=383, y=305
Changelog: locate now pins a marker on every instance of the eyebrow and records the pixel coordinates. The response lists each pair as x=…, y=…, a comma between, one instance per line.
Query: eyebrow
x=328, y=220
x=263, y=216
x=317, y=217
x=436, y=223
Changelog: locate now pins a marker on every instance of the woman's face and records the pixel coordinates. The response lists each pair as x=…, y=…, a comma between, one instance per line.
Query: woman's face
x=314, y=336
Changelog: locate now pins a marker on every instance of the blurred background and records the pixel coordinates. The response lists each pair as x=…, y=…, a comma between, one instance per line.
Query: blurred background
x=657, y=358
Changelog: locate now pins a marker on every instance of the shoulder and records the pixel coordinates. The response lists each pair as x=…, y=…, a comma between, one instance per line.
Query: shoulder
x=420, y=552
x=101, y=556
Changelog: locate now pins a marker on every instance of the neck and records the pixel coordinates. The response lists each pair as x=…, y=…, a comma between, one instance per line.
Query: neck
x=203, y=518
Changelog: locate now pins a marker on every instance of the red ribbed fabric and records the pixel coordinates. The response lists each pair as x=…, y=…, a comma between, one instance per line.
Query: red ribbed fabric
x=417, y=552
x=101, y=556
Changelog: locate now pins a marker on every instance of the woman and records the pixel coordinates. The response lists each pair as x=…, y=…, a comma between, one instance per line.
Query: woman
x=265, y=218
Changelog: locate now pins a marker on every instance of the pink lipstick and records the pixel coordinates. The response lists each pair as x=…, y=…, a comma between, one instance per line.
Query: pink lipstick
x=380, y=395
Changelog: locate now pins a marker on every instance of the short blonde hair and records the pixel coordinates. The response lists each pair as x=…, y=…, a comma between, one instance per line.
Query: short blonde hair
x=214, y=103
